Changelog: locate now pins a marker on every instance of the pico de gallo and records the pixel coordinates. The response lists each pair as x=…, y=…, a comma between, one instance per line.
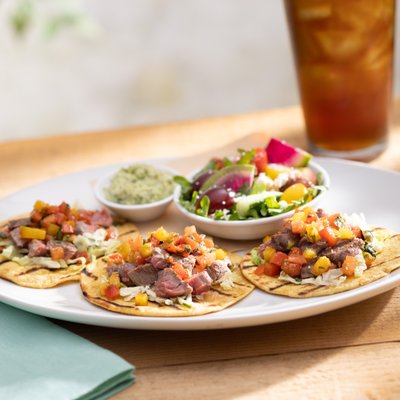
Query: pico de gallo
x=318, y=248
x=166, y=268
x=56, y=236
x=254, y=184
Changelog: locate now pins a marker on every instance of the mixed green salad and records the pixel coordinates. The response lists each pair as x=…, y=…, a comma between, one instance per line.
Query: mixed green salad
x=257, y=183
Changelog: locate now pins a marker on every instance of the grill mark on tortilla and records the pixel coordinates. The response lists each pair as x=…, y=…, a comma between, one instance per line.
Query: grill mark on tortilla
x=309, y=290
x=241, y=284
x=391, y=237
x=32, y=270
x=279, y=286
x=4, y=261
x=221, y=293
x=109, y=302
x=248, y=266
x=89, y=274
x=384, y=262
x=127, y=233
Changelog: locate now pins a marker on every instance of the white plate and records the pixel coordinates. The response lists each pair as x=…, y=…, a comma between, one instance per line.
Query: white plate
x=355, y=187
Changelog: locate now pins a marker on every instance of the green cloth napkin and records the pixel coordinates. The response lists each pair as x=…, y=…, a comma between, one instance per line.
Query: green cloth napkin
x=40, y=360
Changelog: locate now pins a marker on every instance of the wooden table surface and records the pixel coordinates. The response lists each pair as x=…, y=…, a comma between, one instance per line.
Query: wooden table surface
x=351, y=353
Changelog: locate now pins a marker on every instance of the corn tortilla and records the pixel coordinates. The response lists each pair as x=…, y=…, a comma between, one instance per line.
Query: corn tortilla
x=386, y=261
x=40, y=277
x=216, y=299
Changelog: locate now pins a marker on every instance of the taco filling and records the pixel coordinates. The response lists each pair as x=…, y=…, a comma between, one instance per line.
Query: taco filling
x=53, y=243
x=334, y=251
x=165, y=274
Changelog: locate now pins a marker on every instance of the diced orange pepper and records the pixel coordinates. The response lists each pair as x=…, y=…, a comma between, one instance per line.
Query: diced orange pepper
x=333, y=220
x=329, y=236
x=180, y=270
x=57, y=253
x=208, y=242
x=298, y=227
x=349, y=265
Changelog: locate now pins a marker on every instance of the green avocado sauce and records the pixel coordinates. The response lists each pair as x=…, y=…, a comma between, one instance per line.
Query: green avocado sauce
x=139, y=184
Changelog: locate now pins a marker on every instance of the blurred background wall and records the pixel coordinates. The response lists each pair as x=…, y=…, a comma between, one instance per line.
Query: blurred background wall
x=81, y=65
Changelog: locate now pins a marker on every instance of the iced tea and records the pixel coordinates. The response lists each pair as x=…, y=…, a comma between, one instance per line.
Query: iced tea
x=344, y=57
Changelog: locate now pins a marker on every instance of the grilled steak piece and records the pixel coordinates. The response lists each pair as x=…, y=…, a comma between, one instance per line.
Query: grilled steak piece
x=317, y=246
x=82, y=227
x=306, y=271
x=70, y=250
x=16, y=238
x=123, y=272
x=283, y=241
x=159, y=258
x=169, y=284
x=143, y=275
x=102, y=218
x=200, y=283
x=37, y=248
x=15, y=223
x=217, y=270
x=338, y=253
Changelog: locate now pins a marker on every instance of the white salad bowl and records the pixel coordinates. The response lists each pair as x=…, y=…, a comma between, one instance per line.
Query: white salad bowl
x=251, y=228
x=136, y=212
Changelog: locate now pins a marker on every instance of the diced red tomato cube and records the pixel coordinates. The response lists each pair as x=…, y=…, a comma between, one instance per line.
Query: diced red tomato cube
x=259, y=270
x=271, y=269
x=52, y=210
x=60, y=218
x=36, y=216
x=291, y=269
x=297, y=259
x=49, y=219
x=64, y=208
x=111, y=292
x=278, y=258
x=67, y=228
x=295, y=251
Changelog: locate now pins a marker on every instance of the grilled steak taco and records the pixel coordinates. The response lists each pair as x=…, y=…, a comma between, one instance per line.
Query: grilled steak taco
x=52, y=244
x=316, y=254
x=166, y=275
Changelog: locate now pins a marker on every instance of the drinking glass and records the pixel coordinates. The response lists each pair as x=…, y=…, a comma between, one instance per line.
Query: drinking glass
x=343, y=51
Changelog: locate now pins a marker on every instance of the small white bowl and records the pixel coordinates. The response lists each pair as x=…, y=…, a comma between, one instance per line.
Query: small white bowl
x=247, y=229
x=135, y=212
